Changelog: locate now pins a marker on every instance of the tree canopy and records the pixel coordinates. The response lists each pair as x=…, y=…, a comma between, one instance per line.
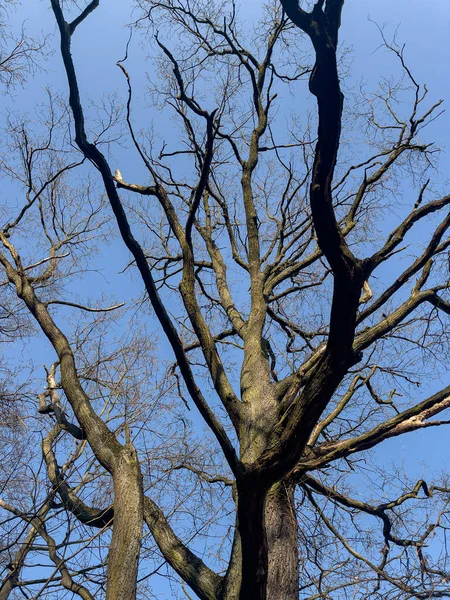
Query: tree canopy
x=225, y=289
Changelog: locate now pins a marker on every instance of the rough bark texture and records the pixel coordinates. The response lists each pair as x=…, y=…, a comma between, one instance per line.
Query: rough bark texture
x=280, y=524
x=125, y=546
x=281, y=529
x=254, y=541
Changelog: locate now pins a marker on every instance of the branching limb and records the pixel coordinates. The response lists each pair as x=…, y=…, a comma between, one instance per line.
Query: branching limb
x=411, y=419
x=376, y=511
x=201, y=579
x=93, y=153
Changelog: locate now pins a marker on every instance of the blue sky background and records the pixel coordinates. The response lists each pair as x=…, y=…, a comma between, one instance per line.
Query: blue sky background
x=422, y=26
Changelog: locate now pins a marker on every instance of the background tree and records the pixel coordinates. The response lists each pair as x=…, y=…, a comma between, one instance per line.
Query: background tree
x=18, y=53
x=302, y=316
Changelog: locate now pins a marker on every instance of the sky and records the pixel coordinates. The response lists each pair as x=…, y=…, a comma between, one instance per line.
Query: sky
x=422, y=26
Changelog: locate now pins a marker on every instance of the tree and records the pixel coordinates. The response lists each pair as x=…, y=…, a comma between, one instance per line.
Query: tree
x=263, y=255
x=18, y=54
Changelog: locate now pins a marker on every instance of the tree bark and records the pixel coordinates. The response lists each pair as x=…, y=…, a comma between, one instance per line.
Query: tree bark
x=281, y=531
x=126, y=540
x=277, y=576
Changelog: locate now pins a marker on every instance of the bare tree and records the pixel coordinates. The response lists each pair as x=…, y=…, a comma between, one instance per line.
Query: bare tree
x=263, y=251
x=19, y=54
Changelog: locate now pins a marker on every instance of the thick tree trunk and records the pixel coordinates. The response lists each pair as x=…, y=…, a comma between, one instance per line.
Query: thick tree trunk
x=253, y=541
x=267, y=521
x=281, y=538
x=126, y=540
x=281, y=530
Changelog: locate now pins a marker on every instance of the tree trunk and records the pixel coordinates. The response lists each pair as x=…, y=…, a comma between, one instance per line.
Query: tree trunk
x=281, y=538
x=126, y=540
x=267, y=521
x=281, y=530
